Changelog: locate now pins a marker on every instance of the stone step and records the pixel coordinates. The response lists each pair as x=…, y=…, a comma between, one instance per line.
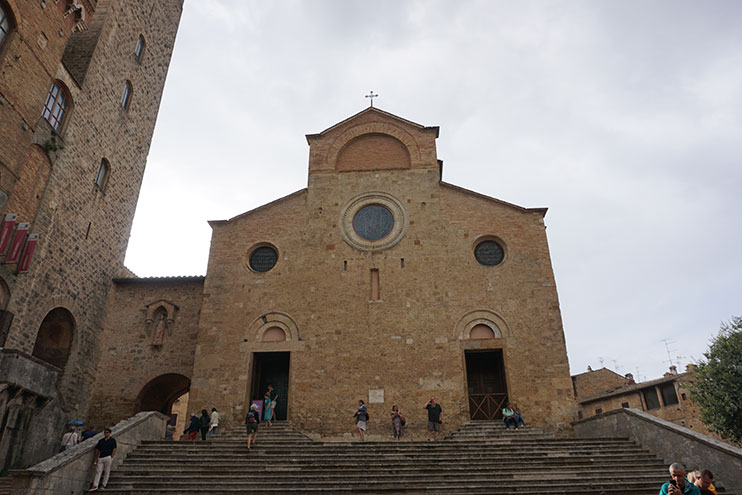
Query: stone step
x=370, y=485
x=478, y=458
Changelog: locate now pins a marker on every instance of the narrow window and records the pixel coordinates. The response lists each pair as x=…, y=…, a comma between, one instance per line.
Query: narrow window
x=345, y=265
x=650, y=398
x=683, y=396
x=55, y=106
x=4, y=24
x=126, y=95
x=599, y=410
x=101, y=178
x=401, y=262
x=374, y=284
x=625, y=405
x=579, y=414
x=139, y=49
x=669, y=397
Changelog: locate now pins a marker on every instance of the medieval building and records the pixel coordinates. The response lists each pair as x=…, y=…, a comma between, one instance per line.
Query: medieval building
x=80, y=88
x=378, y=281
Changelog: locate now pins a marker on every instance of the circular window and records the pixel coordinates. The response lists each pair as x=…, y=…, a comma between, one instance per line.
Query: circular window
x=263, y=259
x=489, y=253
x=373, y=222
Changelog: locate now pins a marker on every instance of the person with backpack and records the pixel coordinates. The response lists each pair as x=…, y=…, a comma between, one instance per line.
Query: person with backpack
x=205, y=423
x=362, y=417
x=252, y=420
x=194, y=425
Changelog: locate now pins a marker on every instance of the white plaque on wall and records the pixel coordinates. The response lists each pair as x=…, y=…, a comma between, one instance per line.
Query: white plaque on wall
x=376, y=396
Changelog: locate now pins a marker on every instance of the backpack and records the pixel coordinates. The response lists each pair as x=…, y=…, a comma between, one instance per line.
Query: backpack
x=251, y=417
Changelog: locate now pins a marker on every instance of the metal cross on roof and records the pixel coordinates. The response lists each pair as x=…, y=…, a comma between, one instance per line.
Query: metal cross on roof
x=371, y=96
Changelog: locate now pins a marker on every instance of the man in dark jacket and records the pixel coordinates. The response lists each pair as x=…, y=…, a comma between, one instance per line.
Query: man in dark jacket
x=205, y=423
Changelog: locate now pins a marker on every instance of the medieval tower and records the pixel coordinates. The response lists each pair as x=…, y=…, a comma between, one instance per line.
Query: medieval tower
x=80, y=89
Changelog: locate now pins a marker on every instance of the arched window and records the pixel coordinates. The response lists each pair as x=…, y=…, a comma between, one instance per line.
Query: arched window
x=56, y=105
x=5, y=22
x=101, y=178
x=126, y=95
x=139, y=49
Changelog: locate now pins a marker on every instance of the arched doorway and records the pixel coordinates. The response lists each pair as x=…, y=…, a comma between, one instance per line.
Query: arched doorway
x=160, y=393
x=54, y=340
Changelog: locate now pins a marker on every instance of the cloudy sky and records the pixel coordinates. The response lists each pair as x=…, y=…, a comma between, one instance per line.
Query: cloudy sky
x=623, y=117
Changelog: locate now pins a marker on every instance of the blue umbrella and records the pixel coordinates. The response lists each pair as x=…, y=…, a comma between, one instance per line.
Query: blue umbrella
x=76, y=422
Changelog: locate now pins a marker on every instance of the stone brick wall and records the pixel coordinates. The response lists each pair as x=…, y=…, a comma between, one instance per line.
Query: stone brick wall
x=345, y=345
x=29, y=58
x=85, y=230
x=129, y=357
x=594, y=382
x=672, y=442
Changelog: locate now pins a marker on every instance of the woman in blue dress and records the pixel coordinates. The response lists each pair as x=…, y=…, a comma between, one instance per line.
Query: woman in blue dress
x=267, y=409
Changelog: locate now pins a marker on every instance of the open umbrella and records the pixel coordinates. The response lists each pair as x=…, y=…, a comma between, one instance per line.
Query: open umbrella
x=76, y=422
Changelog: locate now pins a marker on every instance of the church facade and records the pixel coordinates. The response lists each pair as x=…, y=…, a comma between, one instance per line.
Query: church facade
x=377, y=282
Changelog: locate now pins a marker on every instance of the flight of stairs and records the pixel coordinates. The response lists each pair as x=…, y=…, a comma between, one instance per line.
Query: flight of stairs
x=480, y=457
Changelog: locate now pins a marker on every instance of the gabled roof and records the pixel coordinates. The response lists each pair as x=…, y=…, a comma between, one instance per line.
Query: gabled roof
x=542, y=210
x=372, y=110
x=255, y=210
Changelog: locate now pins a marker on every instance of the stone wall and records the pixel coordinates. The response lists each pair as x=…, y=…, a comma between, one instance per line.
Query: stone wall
x=594, y=382
x=409, y=341
x=131, y=357
x=672, y=442
x=72, y=471
x=85, y=229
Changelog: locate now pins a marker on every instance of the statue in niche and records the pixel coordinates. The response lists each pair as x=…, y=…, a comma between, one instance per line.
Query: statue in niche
x=160, y=325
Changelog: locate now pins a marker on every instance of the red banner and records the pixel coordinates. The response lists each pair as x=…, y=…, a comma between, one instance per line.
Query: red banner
x=6, y=230
x=16, y=245
x=27, y=255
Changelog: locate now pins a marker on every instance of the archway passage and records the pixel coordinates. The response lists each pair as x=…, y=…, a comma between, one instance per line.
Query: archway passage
x=272, y=368
x=485, y=376
x=54, y=340
x=160, y=393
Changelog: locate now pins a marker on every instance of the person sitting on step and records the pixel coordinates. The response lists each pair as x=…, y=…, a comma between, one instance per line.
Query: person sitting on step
x=508, y=416
x=519, y=421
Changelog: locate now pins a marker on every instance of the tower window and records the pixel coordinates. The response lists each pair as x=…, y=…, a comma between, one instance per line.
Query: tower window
x=101, y=178
x=4, y=24
x=139, y=49
x=55, y=106
x=126, y=95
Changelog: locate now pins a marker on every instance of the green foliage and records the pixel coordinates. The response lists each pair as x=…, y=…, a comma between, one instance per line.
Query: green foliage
x=717, y=386
x=52, y=144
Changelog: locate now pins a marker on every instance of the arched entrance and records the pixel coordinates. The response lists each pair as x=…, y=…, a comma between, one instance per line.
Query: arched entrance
x=160, y=393
x=54, y=340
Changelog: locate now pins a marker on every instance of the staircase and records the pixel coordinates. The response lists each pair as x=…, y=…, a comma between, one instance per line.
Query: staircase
x=478, y=458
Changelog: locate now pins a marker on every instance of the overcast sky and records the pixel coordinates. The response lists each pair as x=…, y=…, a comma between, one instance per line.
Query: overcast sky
x=624, y=118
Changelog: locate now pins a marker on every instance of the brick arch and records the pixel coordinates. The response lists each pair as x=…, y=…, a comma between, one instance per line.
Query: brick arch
x=487, y=317
x=55, y=336
x=160, y=393
x=373, y=128
x=268, y=321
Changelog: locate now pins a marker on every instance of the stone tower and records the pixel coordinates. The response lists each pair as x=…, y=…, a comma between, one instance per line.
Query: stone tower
x=80, y=88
